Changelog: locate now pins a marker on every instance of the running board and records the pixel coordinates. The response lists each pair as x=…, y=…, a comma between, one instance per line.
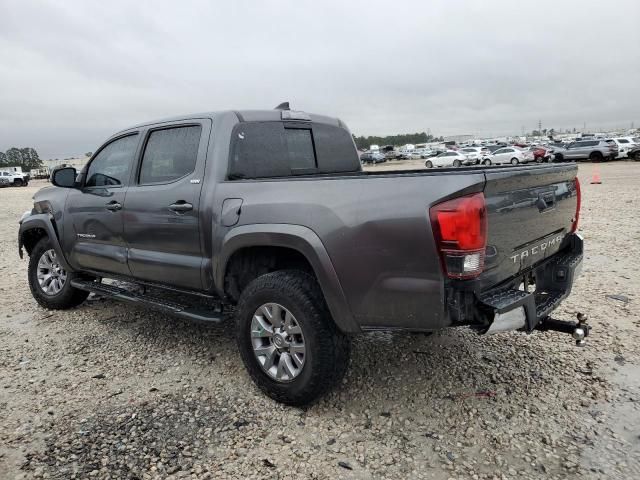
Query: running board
x=190, y=312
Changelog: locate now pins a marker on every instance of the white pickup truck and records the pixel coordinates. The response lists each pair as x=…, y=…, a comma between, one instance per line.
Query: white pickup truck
x=15, y=177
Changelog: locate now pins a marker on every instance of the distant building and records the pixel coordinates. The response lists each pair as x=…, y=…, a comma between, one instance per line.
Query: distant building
x=77, y=163
x=459, y=138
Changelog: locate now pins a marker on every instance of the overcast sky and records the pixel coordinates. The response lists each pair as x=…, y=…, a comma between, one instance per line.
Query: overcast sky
x=73, y=72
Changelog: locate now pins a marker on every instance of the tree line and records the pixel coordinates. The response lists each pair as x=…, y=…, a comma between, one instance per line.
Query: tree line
x=363, y=143
x=27, y=158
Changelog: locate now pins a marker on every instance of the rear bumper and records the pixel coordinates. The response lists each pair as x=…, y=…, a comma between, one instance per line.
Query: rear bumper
x=506, y=307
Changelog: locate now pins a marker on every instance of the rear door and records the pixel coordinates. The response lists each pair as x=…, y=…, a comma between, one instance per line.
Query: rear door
x=530, y=212
x=161, y=212
x=95, y=240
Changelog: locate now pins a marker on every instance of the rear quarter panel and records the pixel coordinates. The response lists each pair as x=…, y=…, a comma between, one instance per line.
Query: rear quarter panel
x=375, y=230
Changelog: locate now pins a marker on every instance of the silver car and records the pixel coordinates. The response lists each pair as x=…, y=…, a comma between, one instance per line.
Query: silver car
x=595, y=150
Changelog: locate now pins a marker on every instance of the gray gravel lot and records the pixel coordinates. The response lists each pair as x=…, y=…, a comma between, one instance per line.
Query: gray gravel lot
x=109, y=391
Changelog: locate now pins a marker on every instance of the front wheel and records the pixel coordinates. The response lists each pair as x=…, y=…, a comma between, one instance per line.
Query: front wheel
x=486, y=162
x=514, y=161
x=428, y=164
x=287, y=339
x=637, y=156
x=50, y=284
x=457, y=163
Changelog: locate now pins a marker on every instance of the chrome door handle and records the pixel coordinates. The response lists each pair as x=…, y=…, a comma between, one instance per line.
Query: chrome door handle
x=113, y=206
x=181, y=207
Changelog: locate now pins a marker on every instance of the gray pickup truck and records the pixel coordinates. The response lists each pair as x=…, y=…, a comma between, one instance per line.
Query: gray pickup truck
x=267, y=216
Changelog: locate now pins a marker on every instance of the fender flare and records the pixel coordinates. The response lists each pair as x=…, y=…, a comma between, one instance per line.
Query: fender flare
x=42, y=221
x=303, y=240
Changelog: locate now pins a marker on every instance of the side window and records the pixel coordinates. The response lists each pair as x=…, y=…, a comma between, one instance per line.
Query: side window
x=499, y=151
x=170, y=154
x=111, y=166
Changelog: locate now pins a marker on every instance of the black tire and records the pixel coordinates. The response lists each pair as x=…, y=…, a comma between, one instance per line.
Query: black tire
x=514, y=161
x=67, y=297
x=595, y=157
x=17, y=182
x=327, y=349
x=428, y=164
x=558, y=157
x=486, y=161
x=457, y=163
x=637, y=157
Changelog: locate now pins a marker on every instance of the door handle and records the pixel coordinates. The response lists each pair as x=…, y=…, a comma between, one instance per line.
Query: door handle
x=181, y=206
x=113, y=206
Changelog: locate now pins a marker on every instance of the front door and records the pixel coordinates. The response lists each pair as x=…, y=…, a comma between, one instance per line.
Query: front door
x=161, y=211
x=94, y=232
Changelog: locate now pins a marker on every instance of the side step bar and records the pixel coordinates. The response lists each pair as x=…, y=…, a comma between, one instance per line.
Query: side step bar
x=189, y=312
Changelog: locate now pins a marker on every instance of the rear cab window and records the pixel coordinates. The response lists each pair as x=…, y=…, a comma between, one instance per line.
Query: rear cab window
x=279, y=149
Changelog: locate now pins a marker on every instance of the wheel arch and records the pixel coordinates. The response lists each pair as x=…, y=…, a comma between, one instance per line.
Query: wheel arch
x=35, y=227
x=279, y=246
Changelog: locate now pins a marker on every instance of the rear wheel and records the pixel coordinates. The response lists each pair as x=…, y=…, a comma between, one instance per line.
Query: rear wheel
x=287, y=339
x=18, y=182
x=637, y=156
x=514, y=161
x=457, y=163
x=595, y=157
x=558, y=157
x=50, y=284
x=428, y=164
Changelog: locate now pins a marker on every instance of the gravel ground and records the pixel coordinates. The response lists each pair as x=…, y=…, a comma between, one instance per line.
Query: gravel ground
x=109, y=391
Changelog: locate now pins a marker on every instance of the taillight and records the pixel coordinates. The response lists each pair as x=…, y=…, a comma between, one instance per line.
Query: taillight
x=576, y=217
x=460, y=230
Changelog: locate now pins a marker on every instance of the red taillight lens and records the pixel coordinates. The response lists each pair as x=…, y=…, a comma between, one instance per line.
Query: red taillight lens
x=460, y=230
x=574, y=225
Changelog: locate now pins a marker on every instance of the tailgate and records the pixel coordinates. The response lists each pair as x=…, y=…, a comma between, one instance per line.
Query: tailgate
x=530, y=213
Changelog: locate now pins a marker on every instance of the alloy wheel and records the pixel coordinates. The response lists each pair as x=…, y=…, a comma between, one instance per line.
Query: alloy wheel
x=278, y=342
x=51, y=276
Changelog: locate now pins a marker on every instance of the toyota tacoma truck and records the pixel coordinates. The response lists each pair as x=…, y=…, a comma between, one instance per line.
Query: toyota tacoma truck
x=267, y=218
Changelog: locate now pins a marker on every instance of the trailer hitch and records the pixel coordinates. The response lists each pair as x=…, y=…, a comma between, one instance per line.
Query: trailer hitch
x=579, y=330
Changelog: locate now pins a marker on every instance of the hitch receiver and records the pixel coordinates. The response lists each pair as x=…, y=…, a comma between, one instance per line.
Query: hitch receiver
x=579, y=330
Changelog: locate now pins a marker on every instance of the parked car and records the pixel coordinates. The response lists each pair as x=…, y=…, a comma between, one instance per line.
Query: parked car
x=392, y=155
x=297, y=244
x=5, y=181
x=541, y=153
x=594, y=150
x=474, y=155
x=447, y=159
x=505, y=155
x=624, y=145
x=634, y=152
x=372, y=157
x=16, y=177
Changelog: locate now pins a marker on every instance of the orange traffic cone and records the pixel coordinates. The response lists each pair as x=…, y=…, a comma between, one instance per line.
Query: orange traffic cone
x=595, y=177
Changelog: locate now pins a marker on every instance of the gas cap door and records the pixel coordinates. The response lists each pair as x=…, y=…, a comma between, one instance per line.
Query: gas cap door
x=231, y=210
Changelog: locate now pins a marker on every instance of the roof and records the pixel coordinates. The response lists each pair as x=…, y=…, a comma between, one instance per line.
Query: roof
x=243, y=116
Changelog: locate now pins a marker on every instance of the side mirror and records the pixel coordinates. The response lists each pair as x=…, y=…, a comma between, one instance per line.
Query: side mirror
x=64, y=177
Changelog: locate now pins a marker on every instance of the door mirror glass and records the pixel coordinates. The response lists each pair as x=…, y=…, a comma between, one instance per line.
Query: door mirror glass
x=64, y=177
